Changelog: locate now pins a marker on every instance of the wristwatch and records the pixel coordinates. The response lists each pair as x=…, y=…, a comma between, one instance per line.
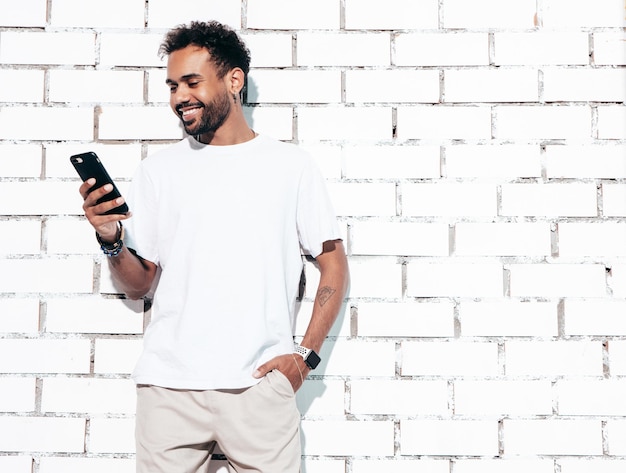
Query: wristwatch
x=311, y=359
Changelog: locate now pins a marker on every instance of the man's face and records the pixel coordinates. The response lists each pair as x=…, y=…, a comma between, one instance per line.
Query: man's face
x=197, y=96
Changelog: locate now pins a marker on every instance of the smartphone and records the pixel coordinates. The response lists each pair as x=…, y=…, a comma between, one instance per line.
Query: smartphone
x=88, y=165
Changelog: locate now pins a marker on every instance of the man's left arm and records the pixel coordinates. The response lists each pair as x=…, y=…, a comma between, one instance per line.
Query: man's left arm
x=334, y=279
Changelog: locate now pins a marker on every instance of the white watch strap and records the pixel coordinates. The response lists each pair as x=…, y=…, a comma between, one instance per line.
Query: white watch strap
x=302, y=351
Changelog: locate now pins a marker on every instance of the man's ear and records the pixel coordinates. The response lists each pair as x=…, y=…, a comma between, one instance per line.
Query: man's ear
x=237, y=80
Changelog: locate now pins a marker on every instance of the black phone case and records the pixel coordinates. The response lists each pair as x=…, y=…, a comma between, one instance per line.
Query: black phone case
x=88, y=165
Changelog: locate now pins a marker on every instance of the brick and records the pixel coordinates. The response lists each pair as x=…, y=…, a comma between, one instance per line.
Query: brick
x=102, y=15
x=20, y=237
x=616, y=430
x=550, y=200
x=401, y=466
x=114, y=50
x=383, y=319
x=138, y=122
x=591, y=397
x=112, y=436
x=508, y=465
x=483, y=14
x=441, y=49
x=613, y=200
x=286, y=15
x=28, y=13
x=20, y=160
x=527, y=122
x=392, y=15
x=158, y=92
x=74, y=86
x=552, y=437
x=344, y=123
x=502, y=239
x=120, y=160
x=365, y=199
x=46, y=123
x=18, y=395
x=616, y=277
x=409, y=86
x=80, y=465
x=449, y=199
x=402, y=239
x=269, y=50
x=313, y=465
x=583, y=13
x=541, y=48
x=94, y=315
x=42, y=434
x=321, y=398
x=557, y=280
x=584, y=85
x=288, y=86
x=608, y=48
x=343, y=49
x=44, y=356
x=21, y=85
x=502, y=161
x=164, y=14
x=612, y=122
x=405, y=397
x=88, y=395
x=508, y=318
x=83, y=241
x=556, y=358
x=498, y=398
x=449, y=359
x=591, y=239
x=444, y=122
x=374, y=278
x=491, y=85
x=577, y=465
x=595, y=317
x=448, y=437
x=358, y=358
x=116, y=355
x=19, y=315
x=273, y=121
x=389, y=162
x=16, y=464
x=42, y=275
x=585, y=161
x=31, y=47
x=617, y=357
x=452, y=279
x=358, y=438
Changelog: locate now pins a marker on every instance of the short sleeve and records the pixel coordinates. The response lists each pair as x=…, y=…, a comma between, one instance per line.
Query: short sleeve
x=316, y=218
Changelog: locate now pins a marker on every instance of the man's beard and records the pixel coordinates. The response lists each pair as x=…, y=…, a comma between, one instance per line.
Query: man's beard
x=213, y=116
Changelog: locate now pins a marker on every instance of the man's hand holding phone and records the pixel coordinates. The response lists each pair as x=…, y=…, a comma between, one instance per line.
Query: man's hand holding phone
x=103, y=204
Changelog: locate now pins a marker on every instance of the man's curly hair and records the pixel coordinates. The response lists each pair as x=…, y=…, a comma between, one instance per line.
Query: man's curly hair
x=227, y=50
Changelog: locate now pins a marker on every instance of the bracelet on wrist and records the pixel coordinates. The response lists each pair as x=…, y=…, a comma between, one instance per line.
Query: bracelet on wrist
x=115, y=248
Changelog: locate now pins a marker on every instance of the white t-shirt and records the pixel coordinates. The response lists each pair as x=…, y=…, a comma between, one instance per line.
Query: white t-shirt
x=226, y=225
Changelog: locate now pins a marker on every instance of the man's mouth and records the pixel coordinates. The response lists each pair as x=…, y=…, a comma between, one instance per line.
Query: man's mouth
x=188, y=112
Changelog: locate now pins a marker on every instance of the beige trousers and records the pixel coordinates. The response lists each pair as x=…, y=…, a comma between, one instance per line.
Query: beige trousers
x=256, y=428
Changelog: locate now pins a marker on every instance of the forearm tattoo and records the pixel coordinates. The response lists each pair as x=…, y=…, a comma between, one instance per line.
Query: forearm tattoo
x=324, y=294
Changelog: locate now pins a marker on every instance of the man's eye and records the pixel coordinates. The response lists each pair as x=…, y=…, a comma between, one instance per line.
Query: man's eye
x=193, y=84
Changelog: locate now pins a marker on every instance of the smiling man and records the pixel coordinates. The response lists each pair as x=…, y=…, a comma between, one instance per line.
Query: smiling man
x=219, y=224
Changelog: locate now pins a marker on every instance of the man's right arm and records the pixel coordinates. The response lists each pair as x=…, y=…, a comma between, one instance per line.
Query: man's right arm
x=134, y=274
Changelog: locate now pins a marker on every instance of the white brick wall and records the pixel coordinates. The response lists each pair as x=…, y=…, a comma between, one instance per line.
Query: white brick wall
x=475, y=151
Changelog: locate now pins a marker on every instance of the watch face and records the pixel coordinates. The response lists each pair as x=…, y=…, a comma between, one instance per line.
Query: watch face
x=312, y=360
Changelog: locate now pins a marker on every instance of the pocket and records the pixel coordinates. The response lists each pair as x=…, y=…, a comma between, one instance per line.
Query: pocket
x=279, y=383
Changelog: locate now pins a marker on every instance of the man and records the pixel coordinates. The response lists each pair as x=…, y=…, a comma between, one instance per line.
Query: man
x=218, y=224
